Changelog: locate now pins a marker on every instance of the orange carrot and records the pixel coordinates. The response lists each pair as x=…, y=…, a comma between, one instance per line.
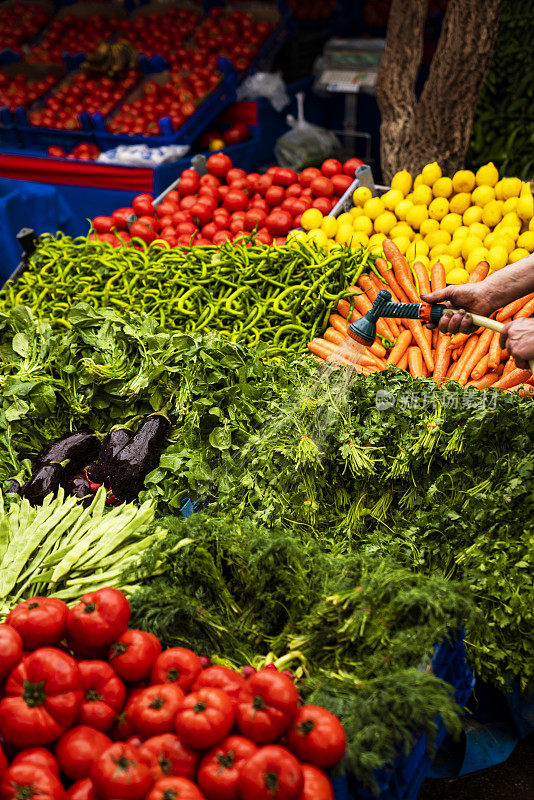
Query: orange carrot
x=509, y=367
x=350, y=349
x=337, y=358
x=450, y=371
x=341, y=324
x=479, y=273
x=364, y=282
x=415, y=362
x=507, y=312
x=373, y=286
x=437, y=276
x=331, y=335
x=363, y=304
x=494, y=355
x=526, y=311
x=401, y=269
x=482, y=346
x=442, y=359
x=401, y=345
x=403, y=363
x=435, y=338
x=386, y=270
x=421, y=273
x=515, y=377
x=319, y=348
x=466, y=354
x=344, y=307
x=481, y=368
x=416, y=329
x=486, y=380
x=456, y=353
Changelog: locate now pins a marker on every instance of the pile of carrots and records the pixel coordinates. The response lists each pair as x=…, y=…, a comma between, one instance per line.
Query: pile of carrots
x=470, y=359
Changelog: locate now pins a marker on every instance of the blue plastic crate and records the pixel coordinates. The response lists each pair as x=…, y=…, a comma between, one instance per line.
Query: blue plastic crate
x=9, y=134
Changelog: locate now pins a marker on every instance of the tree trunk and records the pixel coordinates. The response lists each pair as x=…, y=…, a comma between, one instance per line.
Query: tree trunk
x=438, y=127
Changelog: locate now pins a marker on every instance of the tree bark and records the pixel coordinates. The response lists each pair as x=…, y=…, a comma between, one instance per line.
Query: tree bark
x=438, y=126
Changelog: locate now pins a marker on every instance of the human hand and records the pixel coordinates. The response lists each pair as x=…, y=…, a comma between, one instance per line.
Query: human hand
x=469, y=297
x=517, y=337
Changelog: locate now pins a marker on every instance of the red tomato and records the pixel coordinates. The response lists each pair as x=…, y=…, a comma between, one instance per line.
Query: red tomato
x=142, y=205
x=132, y=655
x=209, y=196
x=237, y=133
x=189, y=182
x=324, y=204
x=144, y=232
x=42, y=698
x=104, y=694
x=273, y=773
x=122, y=218
x=297, y=221
x=78, y=749
x=274, y=195
x=102, y=224
x=188, y=201
x=300, y=204
x=3, y=762
x=10, y=649
x=201, y=214
x=317, y=785
x=267, y=706
x=210, y=180
x=120, y=773
x=252, y=180
x=237, y=226
x=201, y=242
x=124, y=727
x=221, y=237
x=41, y=621
x=255, y=218
x=221, y=218
x=218, y=164
x=235, y=174
x=29, y=781
x=175, y=789
x=208, y=231
x=39, y=757
x=263, y=183
x=263, y=237
x=218, y=776
x=235, y=200
x=100, y=617
x=350, y=167
x=317, y=736
x=222, y=191
x=166, y=209
x=308, y=175
x=260, y=203
x=168, y=755
x=289, y=205
x=331, y=167
x=219, y=677
x=205, y=718
x=56, y=152
x=177, y=664
x=82, y=790
x=322, y=187
x=279, y=222
x=155, y=709
x=284, y=176
x=341, y=184
x=294, y=190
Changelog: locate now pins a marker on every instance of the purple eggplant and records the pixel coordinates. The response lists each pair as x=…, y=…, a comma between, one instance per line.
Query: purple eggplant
x=128, y=468
x=116, y=439
x=43, y=481
x=78, y=448
x=80, y=486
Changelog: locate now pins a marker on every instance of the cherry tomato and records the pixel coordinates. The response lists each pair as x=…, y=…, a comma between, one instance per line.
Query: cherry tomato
x=284, y=176
x=167, y=755
x=237, y=226
x=255, y=218
x=308, y=175
x=29, y=781
x=77, y=750
x=10, y=649
x=218, y=776
x=104, y=694
x=279, y=222
x=235, y=200
x=220, y=677
x=188, y=201
x=177, y=665
x=155, y=709
x=317, y=785
x=120, y=773
x=189, y=182
x=274, y=195
x=267, y=705
x=273, y=773
x=350, y=167
x=221, y=218
x=39, y=757
x=205, y=718
x=175, y=788
x=317, y=736
x=201, y=214
x=142, y=205
x=218, y=164
x=82, y=790
x=210, y=180
x=341, y=184
x=331, y=167
x=99, y=617
x=259, y=202
x=132, y=655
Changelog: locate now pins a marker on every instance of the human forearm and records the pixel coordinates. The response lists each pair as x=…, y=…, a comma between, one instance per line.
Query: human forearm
x=510, y=283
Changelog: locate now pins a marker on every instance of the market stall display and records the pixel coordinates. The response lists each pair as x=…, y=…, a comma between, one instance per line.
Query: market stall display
x=21, y=21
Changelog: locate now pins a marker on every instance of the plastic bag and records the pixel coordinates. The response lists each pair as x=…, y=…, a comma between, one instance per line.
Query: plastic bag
x=140, y=155
x=305, y=145
x=265, y=84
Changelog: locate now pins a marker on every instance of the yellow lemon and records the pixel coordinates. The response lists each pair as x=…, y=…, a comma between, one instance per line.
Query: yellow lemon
x=385, y=221
x=346, y=217
x=361, y=195
x=344, y=233
x=511, y=220
x=311, y=218
x=296, y=236
x=461, y=232
x=498, y=256
x=463, y=181
x=359, y=239
x=451, y=222
x=505, y=240
x=417, y=249
x=402, y=243
x=457, y=275
x=438, y=208
x=356, y=211
x=460, y=202
x=373, y=207
x=469, y=244
x=417, y=181
x=472, y=214
x=318, y=236
x=487, y=175
x=526, y=240
x=402, y=229
x=492, y=213
x=510, y=205
x=422, y=195
x=416, y=215
x=402, y=181
x=498, y=189
x=438, y=250
x=430, y=173
x=475, y=257
x=525, y=207
x=437, y=237
x=402, y=209
x=517, y=254
x=448, y=263
x=334, y=247
x=489, y=240
x=364, y=224
x=455, y=248
x=409, y=197
x=428, y=226
x=511, y=187
x=376, y=238
x=330, y=225
x=482, y=195
x=478, y=229
x=442, y=187
x=418, y=237
x=531, y=225
x=526, y=191
x=392, y=198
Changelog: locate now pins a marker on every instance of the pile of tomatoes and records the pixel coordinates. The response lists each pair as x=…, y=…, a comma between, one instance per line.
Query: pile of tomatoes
x=93, y=710
x=85, y=151
x=72, y=34
x=159, y=33
x=21, y=22
x=20, y=90
x=227, y=203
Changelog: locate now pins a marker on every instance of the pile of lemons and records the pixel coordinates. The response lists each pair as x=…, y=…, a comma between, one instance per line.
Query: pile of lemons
x=459, y=221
